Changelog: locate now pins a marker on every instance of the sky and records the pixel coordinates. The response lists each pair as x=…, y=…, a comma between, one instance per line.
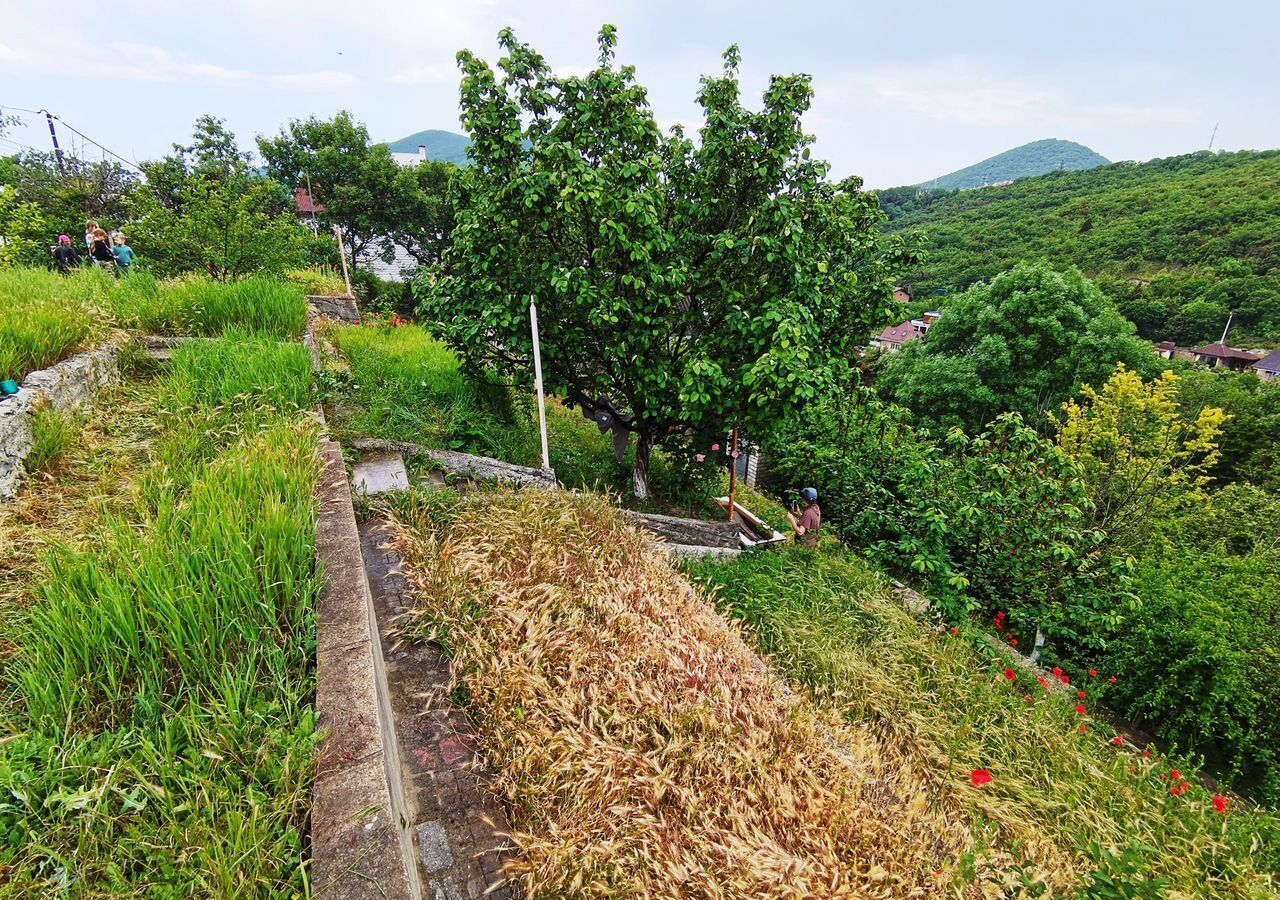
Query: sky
x=904, y=91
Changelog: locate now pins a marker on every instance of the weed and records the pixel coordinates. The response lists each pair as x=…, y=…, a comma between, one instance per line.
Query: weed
x=52, y=432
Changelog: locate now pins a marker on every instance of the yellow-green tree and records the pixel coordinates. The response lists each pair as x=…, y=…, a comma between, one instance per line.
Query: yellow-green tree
x=1140, y=454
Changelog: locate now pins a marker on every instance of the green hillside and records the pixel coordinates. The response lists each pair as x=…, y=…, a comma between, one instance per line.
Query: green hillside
x=1178, y=243
x=444, y=146
x=1027, y=161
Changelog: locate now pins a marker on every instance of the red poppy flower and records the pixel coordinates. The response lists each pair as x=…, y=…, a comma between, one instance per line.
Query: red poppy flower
x=997, y=625
x=1118, y=740
x=1057, y=672
x=1013, y=641
x=1044, y=683
x=1010, y=674
x=1065, y=679
x=1179, y=789
x=1112, y=679
x=979, y=777
x=1080, y=710
x=1084, y=729
x=1177, y=776
x=953, y=631
x=1220, y=804
x=1093, y=673
x=1164, y=777
x=1146, y=753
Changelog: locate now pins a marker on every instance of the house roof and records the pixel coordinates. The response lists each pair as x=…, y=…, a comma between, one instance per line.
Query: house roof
x=899, y=334
x=305, y=204
x=1270, y=362
x=1166, y=345
x=1220, y=350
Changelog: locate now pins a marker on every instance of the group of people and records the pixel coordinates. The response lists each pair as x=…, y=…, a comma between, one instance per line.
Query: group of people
x=102, y=250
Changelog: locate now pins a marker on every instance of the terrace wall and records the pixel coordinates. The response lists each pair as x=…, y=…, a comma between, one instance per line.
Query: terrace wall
x=64, y=387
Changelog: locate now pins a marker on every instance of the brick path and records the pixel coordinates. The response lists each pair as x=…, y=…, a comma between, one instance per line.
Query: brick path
x=459, y=830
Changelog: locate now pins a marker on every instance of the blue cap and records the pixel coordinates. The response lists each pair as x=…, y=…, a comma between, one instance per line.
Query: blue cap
x=809, y=494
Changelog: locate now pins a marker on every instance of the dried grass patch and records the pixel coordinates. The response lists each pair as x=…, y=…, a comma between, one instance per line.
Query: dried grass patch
x=643, y=749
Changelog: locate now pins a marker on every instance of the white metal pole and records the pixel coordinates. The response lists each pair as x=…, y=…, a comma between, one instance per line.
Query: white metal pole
x=537, y=374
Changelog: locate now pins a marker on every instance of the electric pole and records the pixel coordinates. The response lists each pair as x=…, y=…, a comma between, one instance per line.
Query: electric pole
x=1214, y=135
x=57, y=151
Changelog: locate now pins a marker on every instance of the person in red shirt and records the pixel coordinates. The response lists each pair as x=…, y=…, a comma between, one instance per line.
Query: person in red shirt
x=806, y=525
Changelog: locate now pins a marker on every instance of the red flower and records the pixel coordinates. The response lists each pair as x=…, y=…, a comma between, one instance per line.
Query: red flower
x=1081, y=694
x=1220, y=804
x=1084, y=729
x=1010, y=674
x=1118, y=740
x=979, y=777
x=1112, y=679
x=1164, y=777
x=1065, y=679
x=1179, y=789
x=1057, y=672
x=1177, y=776
x=1013, y=641
x=1043, y=682
x=1146, y=753
x=953, y=631
x=998, y=625
x=1080, y=710
x=1093, y=673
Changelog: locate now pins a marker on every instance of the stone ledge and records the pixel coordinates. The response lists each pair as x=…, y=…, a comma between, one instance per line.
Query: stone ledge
x=64, y=387
x=475, y=468
x=342, y=308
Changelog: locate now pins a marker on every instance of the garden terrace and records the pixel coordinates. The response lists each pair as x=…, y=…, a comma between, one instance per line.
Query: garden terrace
x=159, y=604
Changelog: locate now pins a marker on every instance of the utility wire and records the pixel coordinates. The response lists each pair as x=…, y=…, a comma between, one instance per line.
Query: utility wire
x=70, y=127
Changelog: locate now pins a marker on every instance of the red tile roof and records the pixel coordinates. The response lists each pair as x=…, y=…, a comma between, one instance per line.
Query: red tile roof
x=898, y=334
x=1220, y=350
x=305, y=204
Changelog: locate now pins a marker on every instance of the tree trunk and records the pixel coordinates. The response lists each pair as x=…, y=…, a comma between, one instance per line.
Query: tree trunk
x=640, y=475
x=1039, y=646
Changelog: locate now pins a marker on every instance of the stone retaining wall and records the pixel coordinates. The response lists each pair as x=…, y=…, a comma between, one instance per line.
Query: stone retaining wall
x=67, y=386
x=343, y=309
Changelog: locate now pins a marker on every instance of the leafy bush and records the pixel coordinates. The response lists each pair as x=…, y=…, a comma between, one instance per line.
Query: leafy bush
x=1197, y=660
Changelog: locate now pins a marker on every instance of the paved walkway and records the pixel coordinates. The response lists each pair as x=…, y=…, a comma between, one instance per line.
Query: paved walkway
x=459, y=830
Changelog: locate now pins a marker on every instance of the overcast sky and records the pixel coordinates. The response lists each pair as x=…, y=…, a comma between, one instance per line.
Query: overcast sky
x=905, y=90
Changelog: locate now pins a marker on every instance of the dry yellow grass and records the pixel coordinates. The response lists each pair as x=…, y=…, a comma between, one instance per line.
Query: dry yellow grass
x=644, y=750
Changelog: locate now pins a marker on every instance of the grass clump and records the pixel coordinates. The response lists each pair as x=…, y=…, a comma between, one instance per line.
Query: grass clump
x=319, y=281
x=52, y=433
x=45, y=318
x=198, y=306
x=161, y=710
x=406, y=386
x=642, y=748
x=946, y=701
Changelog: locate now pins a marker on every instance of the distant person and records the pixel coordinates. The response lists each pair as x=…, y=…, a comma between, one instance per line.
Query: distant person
x=809, y=520
x=100, y=249
x=65, y=255
x=89, y=228
x=123, y=253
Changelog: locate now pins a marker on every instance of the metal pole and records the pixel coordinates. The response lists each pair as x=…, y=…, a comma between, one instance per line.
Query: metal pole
x=733, y=471
x=537, y=374
x=342, y=252
x=57, y=151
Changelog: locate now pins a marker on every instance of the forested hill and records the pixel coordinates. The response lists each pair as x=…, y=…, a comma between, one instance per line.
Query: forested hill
x=1178, y=242
x=442, y=146
x=1027, y=161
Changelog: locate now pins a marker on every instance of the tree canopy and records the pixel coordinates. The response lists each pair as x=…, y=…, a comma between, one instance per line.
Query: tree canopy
x=683, y=287
x=1022, y=343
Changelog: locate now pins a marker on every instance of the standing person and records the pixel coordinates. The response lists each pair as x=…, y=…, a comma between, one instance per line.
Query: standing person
x=89, y=228
x=65, y=255
x=100, y=249
x=806, y=525
x=123, y=253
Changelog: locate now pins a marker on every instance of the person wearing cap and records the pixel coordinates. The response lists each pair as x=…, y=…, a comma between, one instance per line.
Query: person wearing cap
x=806, y=525
x=65, y=255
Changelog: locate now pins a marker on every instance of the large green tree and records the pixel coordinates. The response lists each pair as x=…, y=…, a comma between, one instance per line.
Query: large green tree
x=1024, y=342
x=204, y=207
x=360, y=188
x=683, y=287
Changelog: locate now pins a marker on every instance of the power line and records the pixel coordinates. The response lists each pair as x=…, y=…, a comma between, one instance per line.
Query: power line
x=70, y=127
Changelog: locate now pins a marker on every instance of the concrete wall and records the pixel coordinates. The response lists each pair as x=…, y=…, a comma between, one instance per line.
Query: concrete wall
x=64, y=387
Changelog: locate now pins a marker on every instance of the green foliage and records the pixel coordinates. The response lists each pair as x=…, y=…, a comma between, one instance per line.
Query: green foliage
x=831, y=625
x=686, y=288
x=1023, y=343
x=163, y=734
x=52, y=432
x=1035, y=158
x=406, y=386
x=89, y=190
x=362, y=190
x=201, y=307
x=22, y=230
x=44, y=318
x=1194, y=661
x=204, y=208
x=1176, y=243
x=1249, y=448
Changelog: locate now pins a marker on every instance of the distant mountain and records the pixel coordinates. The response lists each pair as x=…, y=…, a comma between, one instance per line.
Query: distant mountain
x=444, y=146
x=1036, y=158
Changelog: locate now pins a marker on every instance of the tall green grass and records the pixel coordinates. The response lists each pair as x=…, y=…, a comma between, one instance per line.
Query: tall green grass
x=201, y=307
x=45, y=317
x=162, y=693
x=831, y=625
x=407, y=386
